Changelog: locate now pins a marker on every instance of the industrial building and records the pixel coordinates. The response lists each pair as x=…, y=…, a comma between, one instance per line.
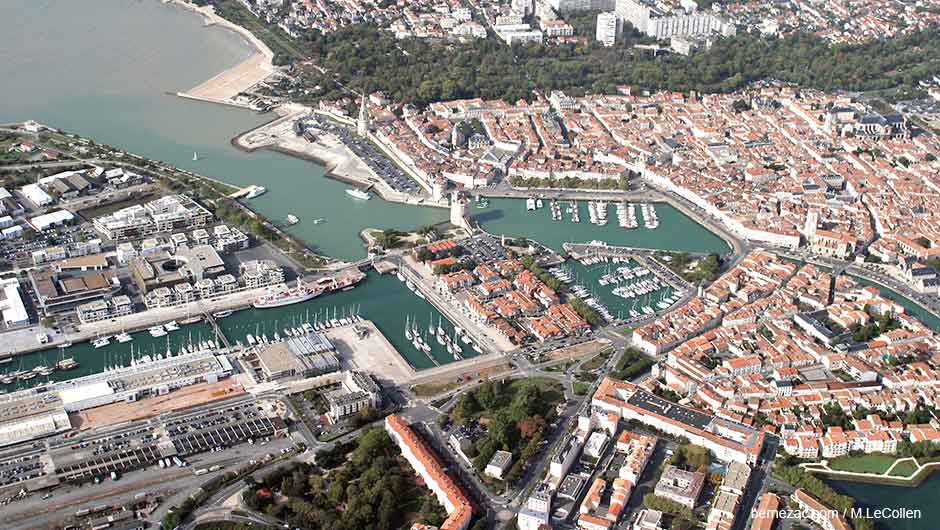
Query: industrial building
x=31, y=414
x=147, y=378
x=309, y=355
x=11, y=303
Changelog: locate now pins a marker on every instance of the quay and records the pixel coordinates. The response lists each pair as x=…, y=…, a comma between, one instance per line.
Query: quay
x=340, y=162
x=582, y=250
x=484, y=340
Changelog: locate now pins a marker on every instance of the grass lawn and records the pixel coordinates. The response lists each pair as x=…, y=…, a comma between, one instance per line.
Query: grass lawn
x=597, y=361
x=873, y=463
x=580, y=388
x=904, y=469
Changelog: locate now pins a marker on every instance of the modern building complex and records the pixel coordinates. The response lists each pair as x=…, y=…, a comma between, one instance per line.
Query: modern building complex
x=171, y=213
x=358, y=391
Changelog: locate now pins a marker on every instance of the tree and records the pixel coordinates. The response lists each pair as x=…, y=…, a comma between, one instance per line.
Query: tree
x=529, y=427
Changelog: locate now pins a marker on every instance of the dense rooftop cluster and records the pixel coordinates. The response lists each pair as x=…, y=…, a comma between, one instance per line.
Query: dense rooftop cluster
x=784, y=345
x=838, y=21
x=776, y=165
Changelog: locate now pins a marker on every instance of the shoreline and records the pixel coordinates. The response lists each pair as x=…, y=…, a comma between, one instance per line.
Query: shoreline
x=225, y=86
x=338, y=162
x=913, y=481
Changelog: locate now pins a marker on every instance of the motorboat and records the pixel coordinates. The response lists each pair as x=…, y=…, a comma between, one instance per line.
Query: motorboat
x=358, y=194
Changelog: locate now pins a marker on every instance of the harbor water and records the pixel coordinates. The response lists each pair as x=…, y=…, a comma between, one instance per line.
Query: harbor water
x=676, y=231
x=107, y=69
x=879, y=496
x=382, y=299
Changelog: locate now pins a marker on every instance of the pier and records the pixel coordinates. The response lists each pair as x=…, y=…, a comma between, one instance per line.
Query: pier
x=219, y=335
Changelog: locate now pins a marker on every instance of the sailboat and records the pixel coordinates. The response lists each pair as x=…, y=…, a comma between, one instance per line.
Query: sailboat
x=407, y=328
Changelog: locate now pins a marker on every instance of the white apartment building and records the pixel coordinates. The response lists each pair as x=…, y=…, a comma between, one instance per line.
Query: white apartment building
x=607, y=28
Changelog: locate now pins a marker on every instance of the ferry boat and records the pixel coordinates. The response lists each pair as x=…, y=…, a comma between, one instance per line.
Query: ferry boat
x=292, y=219
x=344, y=283
x=223, y=314
x=171, y=326
x=358, y=194
x=256, y=191
x=301, y=293
x=157, y=331
x=100, y=342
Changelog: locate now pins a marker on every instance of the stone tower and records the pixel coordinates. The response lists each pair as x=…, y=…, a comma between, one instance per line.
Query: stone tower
x=458, y=210
x=362, y=124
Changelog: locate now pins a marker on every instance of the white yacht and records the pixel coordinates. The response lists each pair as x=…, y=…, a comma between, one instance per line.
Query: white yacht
x=358, y=194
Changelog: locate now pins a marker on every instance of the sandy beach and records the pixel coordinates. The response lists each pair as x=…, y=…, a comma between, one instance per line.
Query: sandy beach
x=224, y=87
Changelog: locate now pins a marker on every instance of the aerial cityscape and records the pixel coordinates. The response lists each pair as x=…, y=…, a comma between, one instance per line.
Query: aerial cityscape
x=470, y=265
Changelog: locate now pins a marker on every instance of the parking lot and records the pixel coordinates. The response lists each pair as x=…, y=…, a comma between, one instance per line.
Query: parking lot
x=217, y=438
x=484, y=248
x=377, y=162
x=103, y=464
x=19, y=469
